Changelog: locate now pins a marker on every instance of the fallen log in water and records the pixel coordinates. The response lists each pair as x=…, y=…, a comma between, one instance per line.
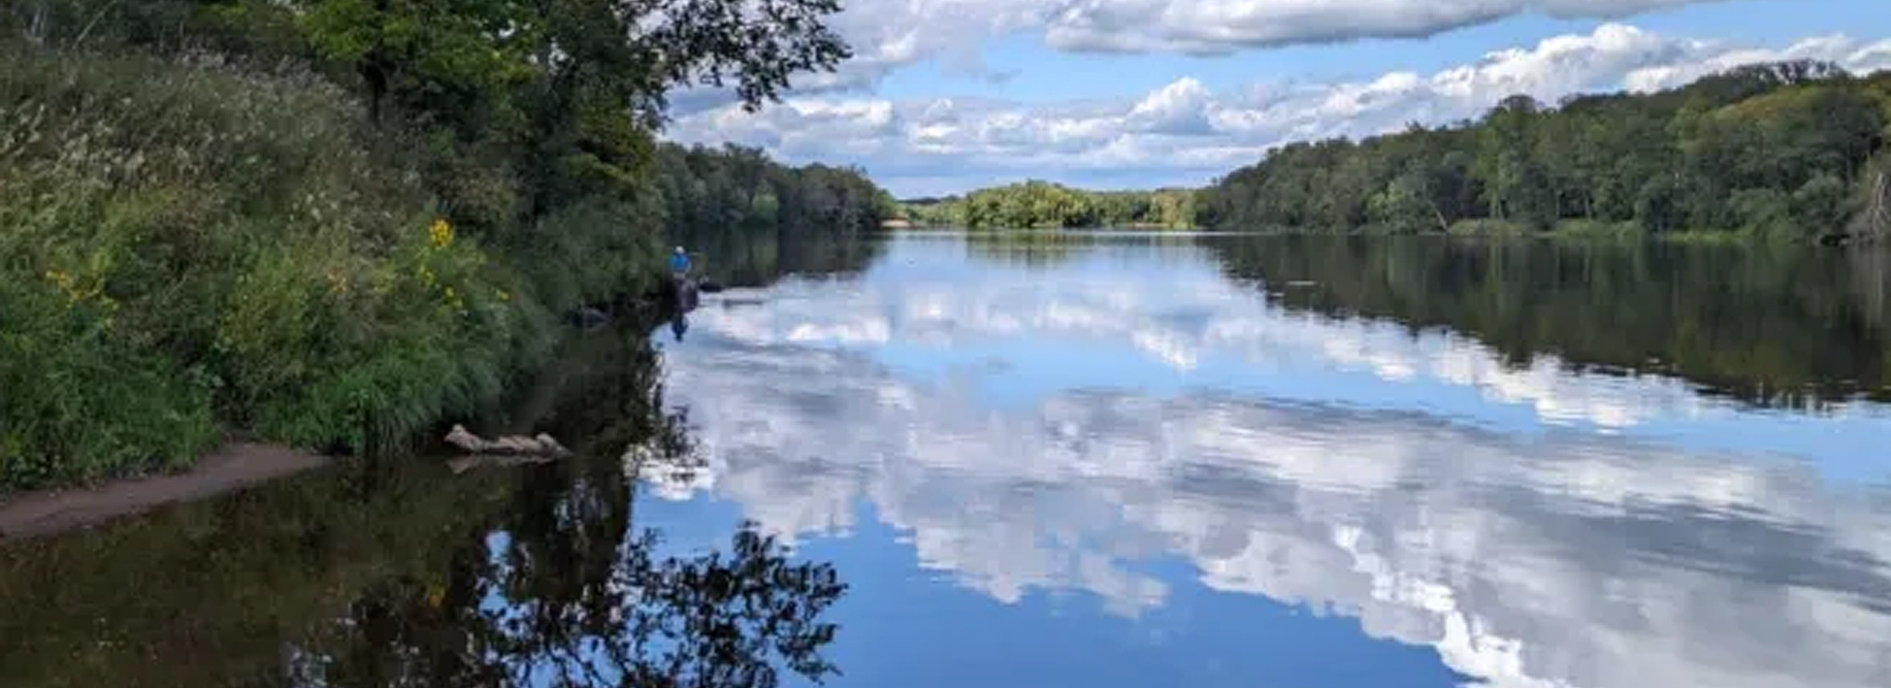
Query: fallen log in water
x=467, y=463
x=540, y=446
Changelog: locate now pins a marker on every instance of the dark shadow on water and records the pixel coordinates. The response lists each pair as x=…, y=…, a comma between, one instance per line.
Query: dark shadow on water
x=739, y=255
x=404, y=572
x=1768, y=325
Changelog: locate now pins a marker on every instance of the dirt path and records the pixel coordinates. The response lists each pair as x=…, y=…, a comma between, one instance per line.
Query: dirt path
x=232, y=467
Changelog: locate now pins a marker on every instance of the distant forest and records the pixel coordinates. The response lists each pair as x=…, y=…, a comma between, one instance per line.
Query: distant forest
x=1037, y=204
x=1793, y=150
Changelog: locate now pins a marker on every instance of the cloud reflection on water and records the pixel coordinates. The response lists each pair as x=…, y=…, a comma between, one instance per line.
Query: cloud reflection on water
x=1181, y=319
x=1559, y=556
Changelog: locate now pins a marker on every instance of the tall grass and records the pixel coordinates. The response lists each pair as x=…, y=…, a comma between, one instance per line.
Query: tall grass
x=188, y=247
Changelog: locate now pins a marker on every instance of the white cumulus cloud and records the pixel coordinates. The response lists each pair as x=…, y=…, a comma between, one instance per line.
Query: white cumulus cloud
x=1222, y=26
x=889, y=34
x=1187, y=133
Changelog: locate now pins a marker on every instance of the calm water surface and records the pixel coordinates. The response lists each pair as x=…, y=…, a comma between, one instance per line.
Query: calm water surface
x=1116, y=463
x=1132, y=460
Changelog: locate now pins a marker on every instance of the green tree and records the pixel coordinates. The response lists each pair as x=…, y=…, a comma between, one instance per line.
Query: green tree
x=355, y=218
x=1733, y=150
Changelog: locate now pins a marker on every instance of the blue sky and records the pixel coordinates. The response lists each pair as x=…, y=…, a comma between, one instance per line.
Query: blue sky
x=948, y=95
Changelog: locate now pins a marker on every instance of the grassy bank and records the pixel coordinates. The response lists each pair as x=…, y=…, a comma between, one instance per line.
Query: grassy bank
x=216, y=589
x=189, y=248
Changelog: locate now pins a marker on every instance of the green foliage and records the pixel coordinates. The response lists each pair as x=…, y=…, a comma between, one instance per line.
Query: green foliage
x=1405, y=206
x=561, y=94
x=338, y=222
x=221, y=237
x=210, y=593
x=1756, y=149
x=1766, y=212
x=1659, y=205
x=1036, y=204
x=1821, y=201
x=79, y=385
x=749, y=218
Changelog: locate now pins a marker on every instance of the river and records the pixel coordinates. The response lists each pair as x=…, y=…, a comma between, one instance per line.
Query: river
x=1114, y=460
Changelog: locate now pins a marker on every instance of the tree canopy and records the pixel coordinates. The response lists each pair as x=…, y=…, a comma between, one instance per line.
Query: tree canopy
x=1037, y=204
x=521, y=107
x=1771, y=149
x=334, y=223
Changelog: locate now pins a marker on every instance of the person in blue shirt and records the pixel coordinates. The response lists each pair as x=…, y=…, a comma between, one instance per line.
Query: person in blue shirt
x=679, y=264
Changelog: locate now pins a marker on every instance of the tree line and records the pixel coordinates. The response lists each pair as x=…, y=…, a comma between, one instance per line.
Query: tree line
x=1037, y=204
x=1790, y=150
x=334, y=223
x=752, y=220
x=710, y=189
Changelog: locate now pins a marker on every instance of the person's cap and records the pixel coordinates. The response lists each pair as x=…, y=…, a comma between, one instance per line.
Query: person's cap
x=679, y=249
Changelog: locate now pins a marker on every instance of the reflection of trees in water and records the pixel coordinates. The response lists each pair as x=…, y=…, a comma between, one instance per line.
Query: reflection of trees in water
x=1050, y=248
x=1772, y=325
x=1871, y=279
x=403, y=573
x=616, y=615
x=1038, y=248
x=601, y=394
x=567, y=587
x=752, y=220
x=750, y=255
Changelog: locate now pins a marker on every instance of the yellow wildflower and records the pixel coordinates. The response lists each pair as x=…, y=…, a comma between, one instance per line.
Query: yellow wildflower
x=75, y=292
x=441, y=233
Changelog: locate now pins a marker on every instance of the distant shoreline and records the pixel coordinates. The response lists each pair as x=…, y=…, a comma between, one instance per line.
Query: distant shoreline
x=1573, y=230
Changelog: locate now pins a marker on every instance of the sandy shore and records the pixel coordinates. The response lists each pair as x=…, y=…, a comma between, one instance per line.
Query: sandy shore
x=232, y=467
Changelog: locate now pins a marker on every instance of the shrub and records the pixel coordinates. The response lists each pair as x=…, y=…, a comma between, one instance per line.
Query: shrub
x=188, y=242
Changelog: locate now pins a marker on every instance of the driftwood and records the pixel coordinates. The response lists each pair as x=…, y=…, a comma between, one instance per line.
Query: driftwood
x=541, y=446
x=504, y=451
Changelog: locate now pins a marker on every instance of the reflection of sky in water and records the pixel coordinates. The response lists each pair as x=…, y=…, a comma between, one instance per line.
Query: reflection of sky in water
x=1128, y=425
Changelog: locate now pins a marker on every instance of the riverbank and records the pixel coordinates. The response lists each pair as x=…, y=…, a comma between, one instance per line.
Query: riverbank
x=1584, y=230
x=242, y=462
x=232, y=467
x=195, y=248
x=1573, y=230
